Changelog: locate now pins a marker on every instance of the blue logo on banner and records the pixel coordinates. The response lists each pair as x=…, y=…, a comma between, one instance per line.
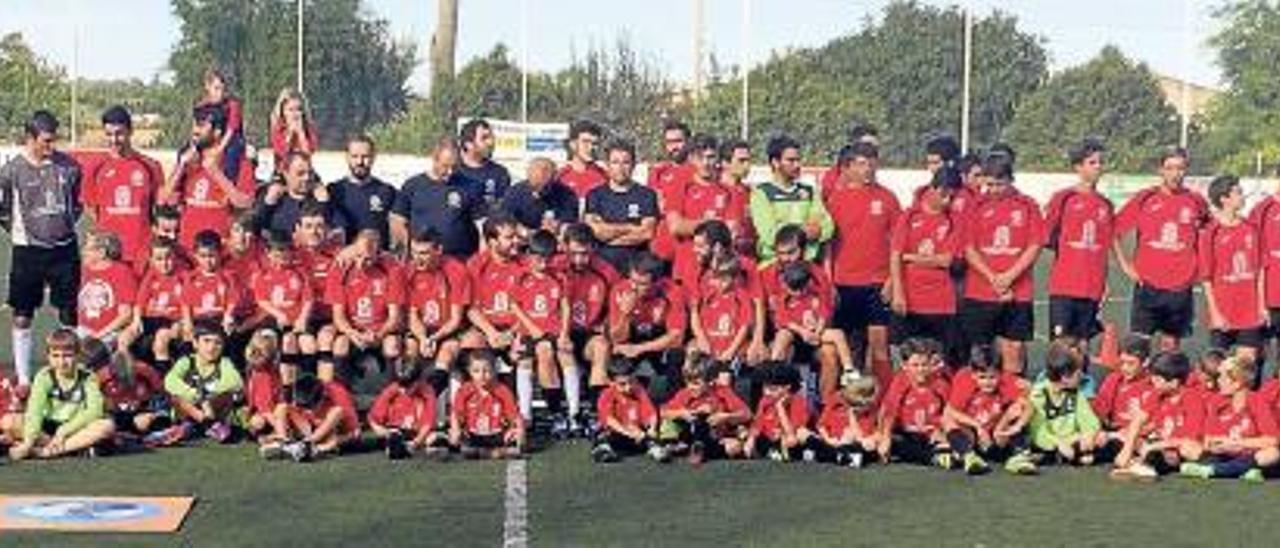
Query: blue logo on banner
x=83, y=511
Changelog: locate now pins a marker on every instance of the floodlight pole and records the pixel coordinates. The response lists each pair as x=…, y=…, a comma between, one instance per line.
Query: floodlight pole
x=299, y=52
x=745, y=67
x=1184, y=101
x=968, y=70
x=524, y=61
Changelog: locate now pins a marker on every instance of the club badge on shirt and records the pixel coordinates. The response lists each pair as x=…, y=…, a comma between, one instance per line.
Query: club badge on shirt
x=454, y=200
x=375, y=204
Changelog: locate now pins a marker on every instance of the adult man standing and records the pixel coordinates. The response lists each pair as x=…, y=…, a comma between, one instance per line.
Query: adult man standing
x=209, y=186
x=39, y=207
x=477, y=168
x=582, y=173
x=785, y=200
x=442, y=200
x=120, y=189
x=362, y=200
x=674, y=167
x=623, y=214
x=541, y=202
x=282, y=202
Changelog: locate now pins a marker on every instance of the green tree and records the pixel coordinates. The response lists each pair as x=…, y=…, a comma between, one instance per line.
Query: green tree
x=1111, y=98
x=28, y=82
x=1245, y=120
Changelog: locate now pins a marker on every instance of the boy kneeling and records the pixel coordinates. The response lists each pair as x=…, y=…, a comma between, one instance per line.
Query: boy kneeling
x=65, y=408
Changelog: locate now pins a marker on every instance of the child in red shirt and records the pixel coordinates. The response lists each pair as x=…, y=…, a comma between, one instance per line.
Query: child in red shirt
x=132, y=391
x=801, y=316
x=705, y=417
x=911, y=411
x=628, y=422
x=439, y=289
x=158, y=315
x=283, y=292
x=403, y=415
x=1240, y=433
x=484, y=420
x=542, y=316
x=1230, y=256
x=780, y=429
x=722, y=315
x=1124, y=394
x=1168, y=431
x=847, y=433
x=986, y=415
x=210, y=293
x=320, y=419
x=264, y=392
x=107, y=289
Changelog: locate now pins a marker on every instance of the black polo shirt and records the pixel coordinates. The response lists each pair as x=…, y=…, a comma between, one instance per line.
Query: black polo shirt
x=555, y=200
x=451, y=208
x=363, y=205
x=490, y=178
x=284, y=215
x=630, y=206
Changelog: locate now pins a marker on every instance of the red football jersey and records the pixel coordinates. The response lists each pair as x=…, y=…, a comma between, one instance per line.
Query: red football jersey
x=262, y=390
x=837, y=417
x=1266, y=218
x=582, y=182
x=768, y=425
x=335, y=395
x=1167, y=225
x=133, y=393
x=434, y=292
x=986, y=408
x=1230, y=259
x=1224, y=420
x=493, y=284
x=664, y=173
x=807, y=309
x=1176, y=416
x=772, y=287
x=539, y=298
x=1119, y=399
x=693, y=200
x=317, y=264
x=210, y=295
x=1001, y=228
x=486, y=412
x=204, y=205
x=121, y=192
x=366, y=294
x=411, y=408
x=588, y=292
x=102, y=292
x=284, y=288
x=722, y=314
x=929, y=290
x=632, y=409
x=660, y=311
x=160, y=296
x=717, y=398
x=700, y=284
x=864, y=217
x=1081, y=223
x=912, y=408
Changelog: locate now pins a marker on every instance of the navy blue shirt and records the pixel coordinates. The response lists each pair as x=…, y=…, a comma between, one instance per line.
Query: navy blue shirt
x=630, y=206
x=490, y=178
x=451, y=208
x=363, y=205
x=284, y=215
x=555, y=201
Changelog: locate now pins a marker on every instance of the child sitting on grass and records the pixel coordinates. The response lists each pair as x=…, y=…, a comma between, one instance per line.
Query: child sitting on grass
x=1063, y=427
x=65, y=409
x=264, y=392
x=1167, y=433
x=1240, y=435
x=403, y=415
x=320, y=419
x=133, y=392
x=1126, y=391
x=204, y=389
x=911, y=412
x=627, y=417
x=780, y=429
x=987, y=415
x=847, y=434
x=485, y=420
x=705, y=416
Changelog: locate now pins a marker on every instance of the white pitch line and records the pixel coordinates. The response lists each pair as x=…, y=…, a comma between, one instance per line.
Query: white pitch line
x=515, y=528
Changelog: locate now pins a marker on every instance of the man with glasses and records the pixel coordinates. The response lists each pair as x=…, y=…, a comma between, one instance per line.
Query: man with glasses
x=785, y=200
x=581, y=173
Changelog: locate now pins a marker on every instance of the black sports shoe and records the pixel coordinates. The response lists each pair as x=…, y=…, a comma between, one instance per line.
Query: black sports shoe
x=397, y=449
x=603, y=453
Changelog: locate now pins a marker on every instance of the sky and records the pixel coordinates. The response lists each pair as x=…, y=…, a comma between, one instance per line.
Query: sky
x=1169, y=35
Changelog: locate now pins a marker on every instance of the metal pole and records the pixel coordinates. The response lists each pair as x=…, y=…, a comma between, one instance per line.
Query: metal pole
x=1184, y=106
x=299, y=60
x=746, y=70
x=524, y=61
x=968, y=69
x=75, y=82
x=697, y=49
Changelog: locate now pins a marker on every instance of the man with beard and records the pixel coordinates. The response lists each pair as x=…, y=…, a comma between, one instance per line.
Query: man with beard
x=785, y=200
x=362, y=200
x=477, y=168
x=674, y=168
x=209, y=185
x=441, y=200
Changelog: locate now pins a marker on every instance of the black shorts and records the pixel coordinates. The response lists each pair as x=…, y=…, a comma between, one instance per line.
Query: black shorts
x=580, y=338
x=1227, y=338
x=34, y=268
x=983, y=321
x=859, y=307
x=939, y=327
x=142, y=347
x=1073, y=316
x=124, y=421
x=1156, y=310
x=492, y=441
x=50, y=427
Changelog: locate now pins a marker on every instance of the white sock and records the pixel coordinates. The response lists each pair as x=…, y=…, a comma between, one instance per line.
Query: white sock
x=445, y=402
x=524, y=391
x=22, y=354
x=573, y=391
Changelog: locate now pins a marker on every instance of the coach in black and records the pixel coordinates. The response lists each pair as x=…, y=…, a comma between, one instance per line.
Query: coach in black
x=623, y=214
x=441, y=200
x=362, y=200
x=541, y=202
x=477, y=166
x=39, y=207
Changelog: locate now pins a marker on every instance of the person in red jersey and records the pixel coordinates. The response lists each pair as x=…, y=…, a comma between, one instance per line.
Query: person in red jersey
x=209, y=293
x=164, y=226
x=705, y=418
x=243, y=258
x=911, y=411
x=542, y=317
x=628, y=420
x=735, y=157
x=1240, y=434
x=1078, y=229
x=723, y=314
x=209, y=188
x=688, y=204
x=864, y=212
x=581, y=173
x=108, y=290
x=859, y=133
x=321, y=420
x=1125, y=394
x=1265, y=217
x=264, y=391
x=788, y=248
x=133, y=393
x=494, y=274
x=647, y=322
x=923, y=247
x=120, y=190
x=587, y=279
x=217, y=94
x=439, y=290
x=674, y=167
x=316, y=257
x=283, y=292
x=291, y=127
x=484, y=420
x=1230, y=266
x=368, y=306
x=780, y=429
x=157, y=314
x=1166, y=220
x=712, y=243
x=1168, y=432
x=987, y=414
x=847, y=434
x=1003, y=240
x=403, y=415
x=801, y=315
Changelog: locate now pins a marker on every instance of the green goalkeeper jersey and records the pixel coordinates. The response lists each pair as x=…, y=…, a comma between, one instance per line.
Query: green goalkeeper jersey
x=1059, y=414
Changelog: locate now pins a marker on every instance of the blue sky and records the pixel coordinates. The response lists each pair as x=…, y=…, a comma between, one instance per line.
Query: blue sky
x=1169, y=35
